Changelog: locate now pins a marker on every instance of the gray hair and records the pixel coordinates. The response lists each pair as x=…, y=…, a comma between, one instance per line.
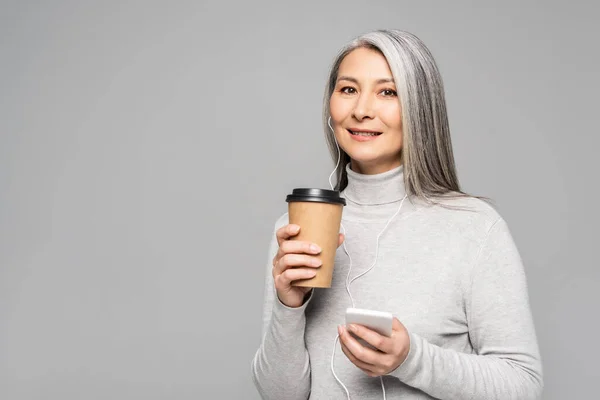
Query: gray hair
x=429, y=169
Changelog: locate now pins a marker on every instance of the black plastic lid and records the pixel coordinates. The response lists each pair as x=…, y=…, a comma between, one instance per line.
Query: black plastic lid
x=316, y=195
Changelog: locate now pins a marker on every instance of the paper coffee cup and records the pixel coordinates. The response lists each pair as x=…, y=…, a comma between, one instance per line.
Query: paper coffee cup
x=318, y=212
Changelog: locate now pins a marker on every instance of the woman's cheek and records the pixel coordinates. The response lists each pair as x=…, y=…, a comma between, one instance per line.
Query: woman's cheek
x=392, y=117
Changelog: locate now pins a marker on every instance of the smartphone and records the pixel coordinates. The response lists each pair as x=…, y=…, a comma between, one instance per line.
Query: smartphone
x=378, y=321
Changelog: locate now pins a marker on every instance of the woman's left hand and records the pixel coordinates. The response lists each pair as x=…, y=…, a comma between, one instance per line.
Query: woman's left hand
x=391, y=351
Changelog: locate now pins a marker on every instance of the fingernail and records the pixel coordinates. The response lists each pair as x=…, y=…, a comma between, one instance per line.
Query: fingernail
x=315, y=248
x=352, y=328
x=295, y=228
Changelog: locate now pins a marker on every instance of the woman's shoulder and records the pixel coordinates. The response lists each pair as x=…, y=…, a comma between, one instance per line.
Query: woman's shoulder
x=464, y=209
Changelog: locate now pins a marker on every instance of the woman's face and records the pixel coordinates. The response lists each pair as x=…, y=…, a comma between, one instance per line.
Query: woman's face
x=365, y=99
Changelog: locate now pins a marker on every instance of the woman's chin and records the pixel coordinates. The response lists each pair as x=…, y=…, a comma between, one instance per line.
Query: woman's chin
x=362, y=161
x=365, y=157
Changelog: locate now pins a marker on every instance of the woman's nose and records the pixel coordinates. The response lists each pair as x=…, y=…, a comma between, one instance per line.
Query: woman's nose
x=363, y=108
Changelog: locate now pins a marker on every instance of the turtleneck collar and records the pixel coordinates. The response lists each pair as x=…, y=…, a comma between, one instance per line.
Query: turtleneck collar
x=375, y=198
x=383, y=188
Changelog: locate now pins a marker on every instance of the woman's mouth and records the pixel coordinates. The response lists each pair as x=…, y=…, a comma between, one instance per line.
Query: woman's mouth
x=362, y=136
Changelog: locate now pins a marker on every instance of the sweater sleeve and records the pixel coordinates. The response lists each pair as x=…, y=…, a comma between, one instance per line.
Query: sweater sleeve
x=281, y=366
x=507, y=363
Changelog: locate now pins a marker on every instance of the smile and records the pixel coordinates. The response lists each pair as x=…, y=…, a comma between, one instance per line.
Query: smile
x=363, y=136
x=368, y=133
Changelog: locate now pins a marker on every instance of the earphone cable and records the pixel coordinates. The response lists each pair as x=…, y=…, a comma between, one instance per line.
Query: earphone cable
x=348, y=283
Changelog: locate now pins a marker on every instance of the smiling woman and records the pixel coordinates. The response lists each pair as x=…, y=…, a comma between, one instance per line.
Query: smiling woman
x=364, y=107
x=447, y=267
x=391, y=78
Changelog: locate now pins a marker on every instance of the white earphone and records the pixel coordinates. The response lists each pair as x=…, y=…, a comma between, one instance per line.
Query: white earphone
x=350, y=267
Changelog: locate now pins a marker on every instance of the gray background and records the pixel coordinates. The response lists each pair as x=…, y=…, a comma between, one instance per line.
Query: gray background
x=146, y=150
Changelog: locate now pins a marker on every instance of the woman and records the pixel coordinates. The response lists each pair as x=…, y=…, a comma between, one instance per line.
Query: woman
x=442, y=262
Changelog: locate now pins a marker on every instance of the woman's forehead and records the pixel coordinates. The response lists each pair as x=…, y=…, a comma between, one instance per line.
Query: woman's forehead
x=365, y=65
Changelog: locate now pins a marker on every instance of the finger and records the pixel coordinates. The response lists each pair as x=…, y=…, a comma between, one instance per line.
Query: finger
x=397, y=325
x=376, y=340
x=343, y=334
x=285, y=279
x=296, y=260
x=295, y=247
x=286, y=232
x=341, y=239
x=367, y=368
x=359, y=351
x=298, y=247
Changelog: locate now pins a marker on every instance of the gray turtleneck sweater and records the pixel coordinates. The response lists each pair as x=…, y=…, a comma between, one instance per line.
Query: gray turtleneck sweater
x=453, y=277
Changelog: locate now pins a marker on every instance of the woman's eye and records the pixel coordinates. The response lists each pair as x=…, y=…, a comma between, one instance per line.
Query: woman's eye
x=347, y=90
x=389, y=92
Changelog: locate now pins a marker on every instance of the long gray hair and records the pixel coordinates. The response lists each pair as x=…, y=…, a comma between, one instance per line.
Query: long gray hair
x=429, y=169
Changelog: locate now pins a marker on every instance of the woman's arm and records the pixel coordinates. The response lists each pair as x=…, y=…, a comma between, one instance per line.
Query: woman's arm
x=507, y=363
x=281, y=366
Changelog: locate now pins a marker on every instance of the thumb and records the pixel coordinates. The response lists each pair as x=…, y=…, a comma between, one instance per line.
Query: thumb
x=396, y=324
x=340, y=239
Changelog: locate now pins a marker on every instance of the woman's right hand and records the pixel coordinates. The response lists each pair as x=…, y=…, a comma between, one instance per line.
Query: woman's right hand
x=294, y=260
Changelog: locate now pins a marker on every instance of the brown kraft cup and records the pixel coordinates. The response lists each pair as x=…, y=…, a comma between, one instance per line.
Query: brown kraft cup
x=318, y=212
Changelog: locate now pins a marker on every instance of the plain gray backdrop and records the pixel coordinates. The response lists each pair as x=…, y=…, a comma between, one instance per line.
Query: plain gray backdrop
x=146, y=149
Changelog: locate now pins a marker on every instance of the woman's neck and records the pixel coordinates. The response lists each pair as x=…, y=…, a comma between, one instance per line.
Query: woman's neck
x=372, y=189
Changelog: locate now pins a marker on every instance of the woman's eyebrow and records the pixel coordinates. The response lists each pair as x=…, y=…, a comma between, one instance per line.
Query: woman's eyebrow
x=351, y=79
